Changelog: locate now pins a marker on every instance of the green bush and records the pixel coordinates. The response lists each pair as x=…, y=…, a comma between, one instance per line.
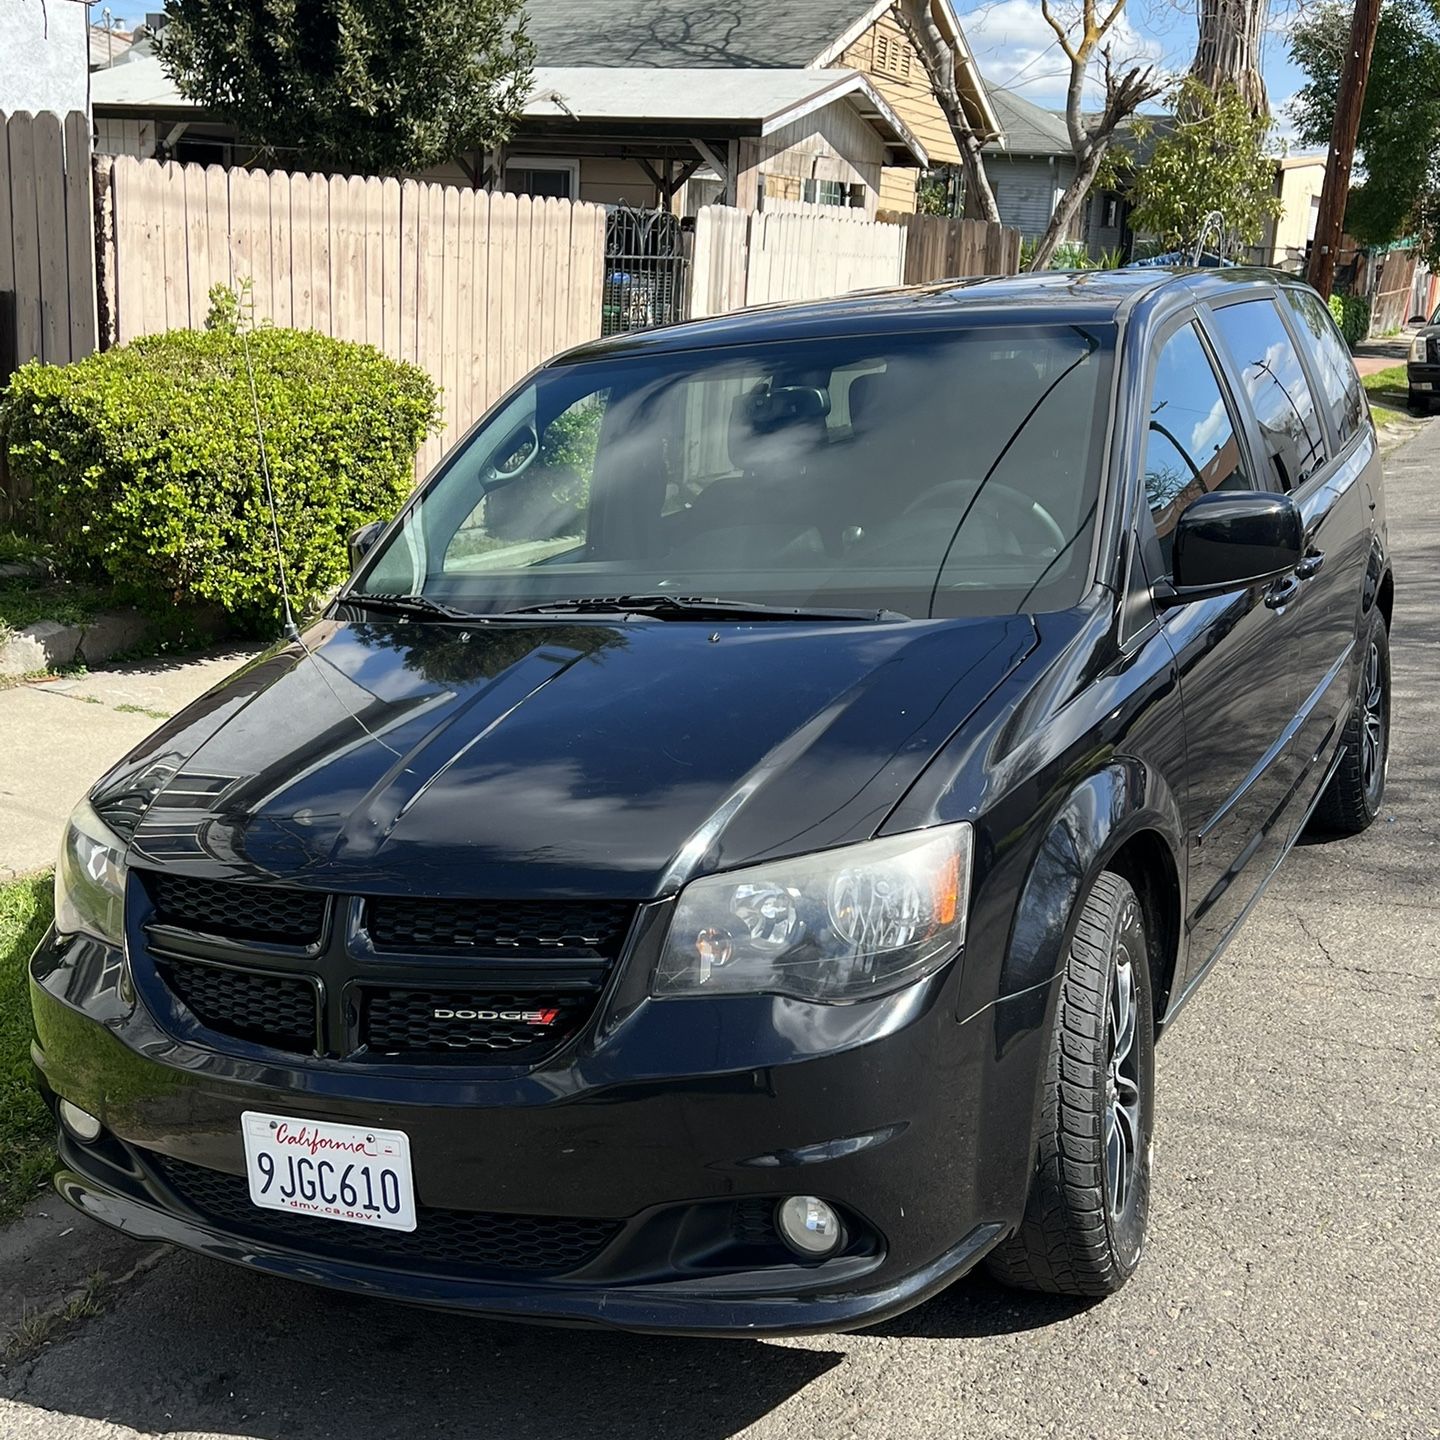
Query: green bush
x=1352, y=315
x=144, y=468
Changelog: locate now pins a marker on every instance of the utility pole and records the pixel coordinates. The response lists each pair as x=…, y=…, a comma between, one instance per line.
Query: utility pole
x=1330, y=224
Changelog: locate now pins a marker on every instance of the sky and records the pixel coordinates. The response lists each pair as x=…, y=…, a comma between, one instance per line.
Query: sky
x=1017, y=50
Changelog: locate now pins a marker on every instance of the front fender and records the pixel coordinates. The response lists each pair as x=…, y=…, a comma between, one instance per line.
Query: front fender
x=1100, y=815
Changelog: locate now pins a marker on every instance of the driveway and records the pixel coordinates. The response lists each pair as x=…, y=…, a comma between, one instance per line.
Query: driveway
x=1289, y=1290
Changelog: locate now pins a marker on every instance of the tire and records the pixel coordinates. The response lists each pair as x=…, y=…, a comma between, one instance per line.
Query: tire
x=1356, y=791
x=1084, y=1226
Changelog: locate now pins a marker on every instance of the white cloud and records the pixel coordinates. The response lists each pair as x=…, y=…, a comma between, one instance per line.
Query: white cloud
x=1016, y=49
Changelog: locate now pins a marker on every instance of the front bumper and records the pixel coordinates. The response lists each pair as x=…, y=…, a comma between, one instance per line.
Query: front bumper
x=1424, y=379
x=660, y=1127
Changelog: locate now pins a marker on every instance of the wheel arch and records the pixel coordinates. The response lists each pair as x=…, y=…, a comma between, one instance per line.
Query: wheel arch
x=1122, y=816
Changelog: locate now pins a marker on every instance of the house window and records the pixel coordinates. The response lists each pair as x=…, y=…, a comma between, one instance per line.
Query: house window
x=1110, y=212
x=893, y=56
x=826, y=192
x=544, y=175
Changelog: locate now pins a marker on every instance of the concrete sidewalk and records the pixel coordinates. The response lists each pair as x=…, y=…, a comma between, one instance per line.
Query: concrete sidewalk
x=57, y=736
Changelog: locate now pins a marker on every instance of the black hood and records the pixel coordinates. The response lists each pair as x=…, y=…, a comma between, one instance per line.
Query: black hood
x=553, y=758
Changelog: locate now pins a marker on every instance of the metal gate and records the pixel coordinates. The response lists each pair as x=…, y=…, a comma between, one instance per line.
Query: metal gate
x=646, y=270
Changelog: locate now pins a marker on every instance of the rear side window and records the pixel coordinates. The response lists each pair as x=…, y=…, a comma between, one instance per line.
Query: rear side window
x=1191, y=447
x=1343, y=392
x=1274, y=379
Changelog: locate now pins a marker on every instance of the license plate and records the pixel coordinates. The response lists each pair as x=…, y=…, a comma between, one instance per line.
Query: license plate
x=353, y=1173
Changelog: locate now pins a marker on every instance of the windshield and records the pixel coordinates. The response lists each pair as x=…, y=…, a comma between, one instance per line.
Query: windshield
x=928, y=474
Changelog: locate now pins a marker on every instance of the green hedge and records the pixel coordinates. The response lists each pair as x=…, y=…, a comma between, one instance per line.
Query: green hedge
x=1352, y=315
x=143, y=464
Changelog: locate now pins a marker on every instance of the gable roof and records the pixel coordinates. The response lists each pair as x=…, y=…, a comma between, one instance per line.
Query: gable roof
x=1027, y=129
x=669, y=34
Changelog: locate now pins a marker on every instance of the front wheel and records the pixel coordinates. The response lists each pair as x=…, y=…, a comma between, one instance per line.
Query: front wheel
x=1084, y=1225
x=1354, y=795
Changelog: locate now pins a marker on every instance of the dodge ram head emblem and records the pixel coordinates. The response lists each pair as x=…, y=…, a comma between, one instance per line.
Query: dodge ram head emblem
x=518, y=1017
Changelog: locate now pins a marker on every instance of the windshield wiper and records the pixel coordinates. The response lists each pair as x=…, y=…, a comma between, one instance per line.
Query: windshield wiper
x=695, y=607
x=409, y=605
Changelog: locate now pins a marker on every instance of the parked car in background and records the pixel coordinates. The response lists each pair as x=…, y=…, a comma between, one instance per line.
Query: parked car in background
x=1423, y=367
x=724, y=862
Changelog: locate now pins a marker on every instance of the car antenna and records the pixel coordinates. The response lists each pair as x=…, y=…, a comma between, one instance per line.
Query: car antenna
x=291, y=629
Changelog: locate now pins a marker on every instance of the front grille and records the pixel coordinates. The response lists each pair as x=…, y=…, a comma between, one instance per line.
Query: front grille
x=238, y=911
x=268, y=1009
x=1435, y=349
x=753, y=1222
x=593, y=929
x=525, y=1024
x=443, y=1242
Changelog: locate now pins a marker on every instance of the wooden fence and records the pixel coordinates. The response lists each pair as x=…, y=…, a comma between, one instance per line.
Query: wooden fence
x=937, y=248
x=47, y=240
x=758, y=259
x=475, y=288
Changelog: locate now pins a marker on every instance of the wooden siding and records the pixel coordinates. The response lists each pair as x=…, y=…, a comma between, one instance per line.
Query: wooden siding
x=834, y=143
x=476, y=288
x=911, y=95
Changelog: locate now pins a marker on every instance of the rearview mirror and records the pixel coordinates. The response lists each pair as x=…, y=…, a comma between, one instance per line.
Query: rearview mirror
x=363, y=541
x=1231, y=540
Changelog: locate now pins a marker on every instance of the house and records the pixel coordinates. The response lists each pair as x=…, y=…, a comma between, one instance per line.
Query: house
x=44, y=57
x=1299, y=179
x=655, y=102
x=109, y=42
x=1030, y=166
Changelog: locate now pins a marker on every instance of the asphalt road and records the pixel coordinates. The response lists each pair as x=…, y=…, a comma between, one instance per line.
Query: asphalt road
x=1295, y=1236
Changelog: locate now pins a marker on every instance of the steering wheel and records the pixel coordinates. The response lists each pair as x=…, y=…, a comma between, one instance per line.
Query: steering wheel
x=1028, y=512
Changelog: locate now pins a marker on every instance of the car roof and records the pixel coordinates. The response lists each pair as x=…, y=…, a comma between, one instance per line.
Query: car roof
x=1049, y=297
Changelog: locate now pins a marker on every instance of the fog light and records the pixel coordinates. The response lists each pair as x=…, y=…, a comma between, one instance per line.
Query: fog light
x=809, y=1226
x=80, y=1123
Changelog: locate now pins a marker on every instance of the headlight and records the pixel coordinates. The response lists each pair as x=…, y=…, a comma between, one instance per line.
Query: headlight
x=1417, y=349
x=839, y=925
x=90, y=878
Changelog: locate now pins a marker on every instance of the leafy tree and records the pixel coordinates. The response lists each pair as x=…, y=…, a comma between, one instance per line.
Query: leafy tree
x=1211, y=157
x=373, y=86
x=1399, y=140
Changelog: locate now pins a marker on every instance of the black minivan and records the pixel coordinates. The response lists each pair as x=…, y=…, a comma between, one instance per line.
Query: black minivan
x=724, y=861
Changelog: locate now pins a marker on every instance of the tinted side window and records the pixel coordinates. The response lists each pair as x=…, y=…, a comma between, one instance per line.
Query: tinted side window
x=1191, y=447
x=1275, y=382
x=1343, y=392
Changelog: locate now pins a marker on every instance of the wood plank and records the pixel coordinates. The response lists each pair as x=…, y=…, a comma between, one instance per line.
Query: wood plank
x=79, y=235
x=390, y=243
x=49, y=141
x=521, y=297
x=374, y=263
x=449, y=291
x=217, y=228
x=411, y=205
x=347, y=256
x=7, y=229
x=26, y=238
x=500, y=271
x=479, y=303
x=302, y=268
x=322, y=264
x=243, y=223
x=282, y=303
x=461, y=315
x=151, y=205
x=174, y=246
x=431, y=289
x=197, y=244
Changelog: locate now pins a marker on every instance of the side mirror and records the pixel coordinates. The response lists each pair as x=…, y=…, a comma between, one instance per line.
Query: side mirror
x=1417, y=320
x=363, y=541
x=1231, y=540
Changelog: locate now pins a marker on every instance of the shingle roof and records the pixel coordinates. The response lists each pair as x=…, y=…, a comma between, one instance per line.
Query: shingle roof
x=1028, y=129
x=778, y=34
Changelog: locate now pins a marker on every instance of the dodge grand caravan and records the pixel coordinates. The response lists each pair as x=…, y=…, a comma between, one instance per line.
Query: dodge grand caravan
x=723, y=862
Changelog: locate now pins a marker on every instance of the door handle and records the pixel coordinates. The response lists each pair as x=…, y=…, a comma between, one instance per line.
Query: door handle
x=1282, y=592
x=1311, y=564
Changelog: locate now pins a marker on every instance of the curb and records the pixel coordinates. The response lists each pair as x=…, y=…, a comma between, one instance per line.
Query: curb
x=50, y=644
